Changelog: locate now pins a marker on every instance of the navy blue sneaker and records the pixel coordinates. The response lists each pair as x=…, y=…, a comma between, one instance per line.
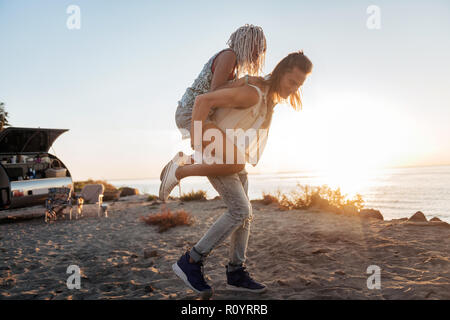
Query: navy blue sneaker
x=240, y=280
x=191, y=274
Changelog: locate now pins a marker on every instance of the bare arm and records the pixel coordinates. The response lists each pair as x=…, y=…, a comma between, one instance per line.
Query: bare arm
x=242, y=81
x=244, y=96
x=224, y=66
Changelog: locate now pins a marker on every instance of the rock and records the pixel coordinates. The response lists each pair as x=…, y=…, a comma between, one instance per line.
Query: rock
x=418, y=216
x=282, y=283
x=371, y=213
x=148, y=289
x=150, y=253
x=320, y=251
x=439, y=224
x=111, y=195
x=126, y=191
x=435, y=219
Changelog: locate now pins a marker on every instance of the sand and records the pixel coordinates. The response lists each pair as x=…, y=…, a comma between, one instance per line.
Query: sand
x=298, y=254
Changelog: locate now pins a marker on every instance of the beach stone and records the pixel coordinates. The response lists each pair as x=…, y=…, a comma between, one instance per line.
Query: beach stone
x=111, y=195
x=435, y=219
x=150, y=253
x=148, y=289
x=418, y=216
x=282, y=283
x=371, y=213
x=320, y=251
x=126, y=191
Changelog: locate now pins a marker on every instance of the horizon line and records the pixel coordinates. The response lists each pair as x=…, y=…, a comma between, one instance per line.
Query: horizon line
x=278, y=172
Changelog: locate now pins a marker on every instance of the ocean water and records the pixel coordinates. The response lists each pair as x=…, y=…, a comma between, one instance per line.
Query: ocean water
x=396, y=192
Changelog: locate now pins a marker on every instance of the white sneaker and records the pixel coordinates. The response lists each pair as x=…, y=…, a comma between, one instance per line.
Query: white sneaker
x=169, y=180
x=180, y=158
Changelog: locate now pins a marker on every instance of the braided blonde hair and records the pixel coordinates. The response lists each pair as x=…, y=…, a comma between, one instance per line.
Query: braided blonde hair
x=243, y=41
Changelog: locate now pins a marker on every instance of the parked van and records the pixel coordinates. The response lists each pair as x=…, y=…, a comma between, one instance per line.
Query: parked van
x=27, y=170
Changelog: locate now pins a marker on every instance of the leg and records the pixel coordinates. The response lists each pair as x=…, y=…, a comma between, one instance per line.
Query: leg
x=239, y=209
x=239, y=238
x=215, y=169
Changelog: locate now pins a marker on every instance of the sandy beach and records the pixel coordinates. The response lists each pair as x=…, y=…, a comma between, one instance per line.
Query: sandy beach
x=298, y=254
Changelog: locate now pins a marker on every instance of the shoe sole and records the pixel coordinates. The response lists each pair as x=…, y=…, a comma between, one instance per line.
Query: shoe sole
x=179, y=155
x=180, y=274
x=163, y=182
x=163, y=172
x=233, y=288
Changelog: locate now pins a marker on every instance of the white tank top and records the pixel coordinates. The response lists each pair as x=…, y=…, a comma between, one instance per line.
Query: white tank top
x=249, y=125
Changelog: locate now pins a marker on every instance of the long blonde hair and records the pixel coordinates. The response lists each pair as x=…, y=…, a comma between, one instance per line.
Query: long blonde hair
x=292, y=60
x=243, y=41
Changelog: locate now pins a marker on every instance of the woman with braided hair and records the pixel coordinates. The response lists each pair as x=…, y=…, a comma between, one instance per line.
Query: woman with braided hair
x=245, y=56
x=246, y=105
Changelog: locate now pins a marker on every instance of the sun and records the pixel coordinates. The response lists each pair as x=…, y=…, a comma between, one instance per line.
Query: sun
x=345, y=139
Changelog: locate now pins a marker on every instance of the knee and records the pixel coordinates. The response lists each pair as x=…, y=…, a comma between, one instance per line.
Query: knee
x=242, y=210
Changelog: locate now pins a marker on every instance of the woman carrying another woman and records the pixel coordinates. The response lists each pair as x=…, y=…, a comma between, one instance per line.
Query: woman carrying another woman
x=246, y=104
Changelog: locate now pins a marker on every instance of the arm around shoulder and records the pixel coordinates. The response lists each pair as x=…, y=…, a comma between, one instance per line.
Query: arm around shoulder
x=243, y=97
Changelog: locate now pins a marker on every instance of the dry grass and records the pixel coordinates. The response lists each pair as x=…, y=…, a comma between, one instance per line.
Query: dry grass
x=322, y=197
x=78, y=185
x=166, y=219
x=268, y=199
x=193, y=195
x=152, y=197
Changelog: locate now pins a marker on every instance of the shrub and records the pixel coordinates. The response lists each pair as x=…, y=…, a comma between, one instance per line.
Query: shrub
x=78, y=185
x=268, y=199
x=166, y=219
x=152, y=197
x=323, y=197
x=193, y=195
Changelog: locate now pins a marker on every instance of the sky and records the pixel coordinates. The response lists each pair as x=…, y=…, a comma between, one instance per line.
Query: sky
x=376, y=97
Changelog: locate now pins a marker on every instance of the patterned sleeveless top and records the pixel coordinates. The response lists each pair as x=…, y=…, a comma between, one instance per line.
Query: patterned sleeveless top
x=200, y=86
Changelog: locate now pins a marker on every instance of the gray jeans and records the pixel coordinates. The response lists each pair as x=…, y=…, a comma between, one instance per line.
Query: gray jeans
x=235, y=221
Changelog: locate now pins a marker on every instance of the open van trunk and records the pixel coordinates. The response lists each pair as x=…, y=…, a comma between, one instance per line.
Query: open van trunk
x=27, y=170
